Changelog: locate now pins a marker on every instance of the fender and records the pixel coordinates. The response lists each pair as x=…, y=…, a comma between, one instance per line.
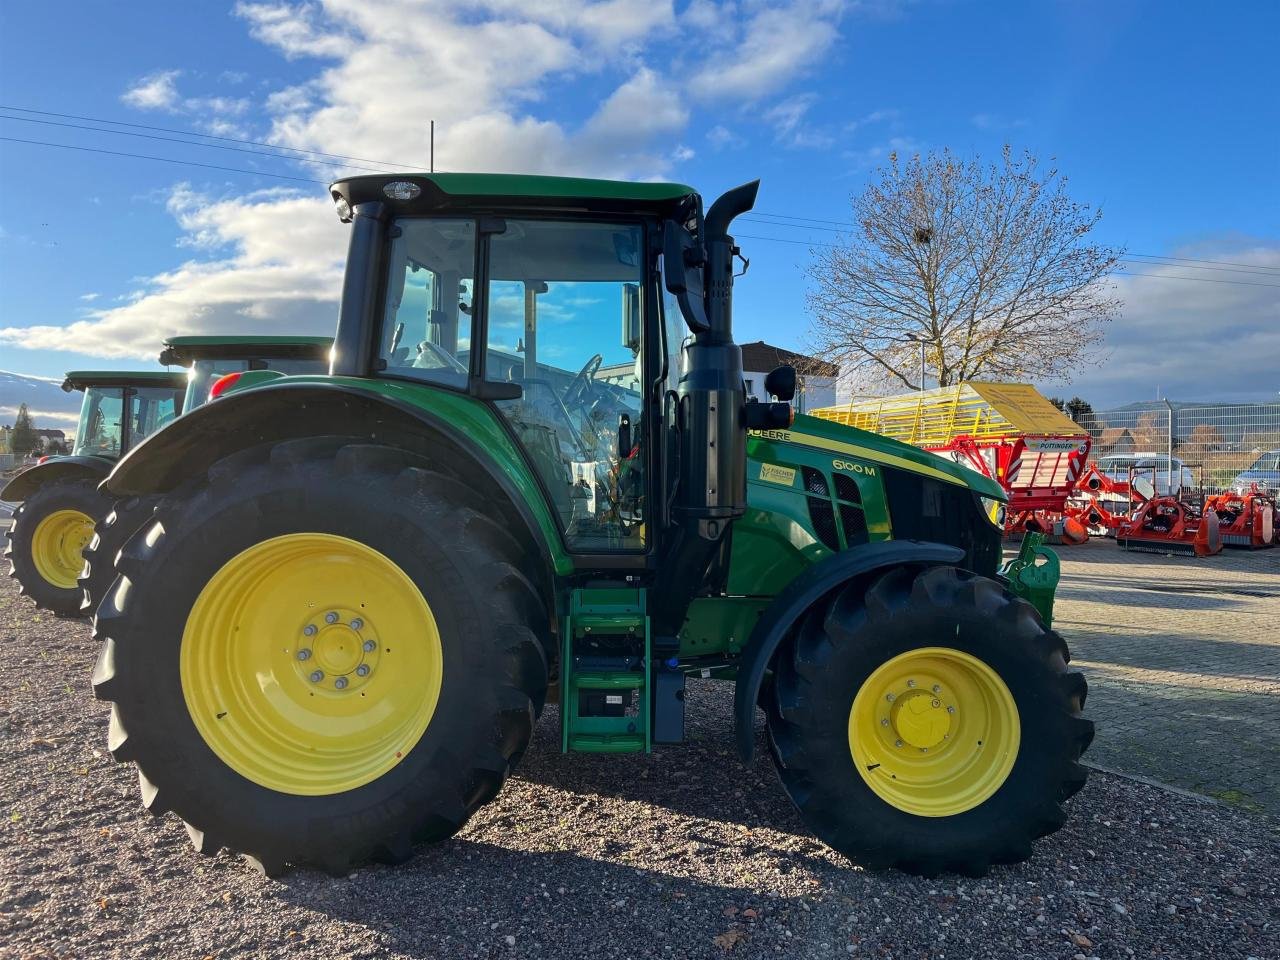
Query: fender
x=799, y=595
x=58, y=468
x=284, y=410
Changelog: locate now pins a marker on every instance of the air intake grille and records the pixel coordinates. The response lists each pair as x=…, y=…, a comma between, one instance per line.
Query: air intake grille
x=821, y=513
x=852, y=519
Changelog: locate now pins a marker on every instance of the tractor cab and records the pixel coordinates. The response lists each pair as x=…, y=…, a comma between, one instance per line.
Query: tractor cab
x=121, y=409
x=208, y=358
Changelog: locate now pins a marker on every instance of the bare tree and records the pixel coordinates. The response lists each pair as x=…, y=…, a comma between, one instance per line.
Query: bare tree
x=990, y=266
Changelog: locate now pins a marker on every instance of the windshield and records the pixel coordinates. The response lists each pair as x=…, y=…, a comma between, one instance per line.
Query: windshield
x=99, y=430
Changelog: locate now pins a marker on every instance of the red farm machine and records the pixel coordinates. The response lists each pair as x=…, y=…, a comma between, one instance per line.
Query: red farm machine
x=1006, y=431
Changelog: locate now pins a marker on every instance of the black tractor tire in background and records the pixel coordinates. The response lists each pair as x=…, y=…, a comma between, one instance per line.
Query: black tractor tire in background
x=493, y=626
x=109, y=537
x=844, y=638
x=80, y=494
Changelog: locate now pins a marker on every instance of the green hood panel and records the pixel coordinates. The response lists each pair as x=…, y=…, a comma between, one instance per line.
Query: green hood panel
x=852, y=444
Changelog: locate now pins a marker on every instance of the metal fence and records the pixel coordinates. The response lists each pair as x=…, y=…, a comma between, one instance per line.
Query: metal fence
x=1216, y=443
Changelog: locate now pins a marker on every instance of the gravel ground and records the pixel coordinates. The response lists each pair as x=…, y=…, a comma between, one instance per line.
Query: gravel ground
x=679, y=854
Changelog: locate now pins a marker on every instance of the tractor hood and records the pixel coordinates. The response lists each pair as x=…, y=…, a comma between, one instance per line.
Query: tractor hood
x=854, y=444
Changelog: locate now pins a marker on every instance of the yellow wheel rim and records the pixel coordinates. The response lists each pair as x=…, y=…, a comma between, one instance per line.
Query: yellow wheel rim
x=934, y=731
x=311, y=664
x=57, y=545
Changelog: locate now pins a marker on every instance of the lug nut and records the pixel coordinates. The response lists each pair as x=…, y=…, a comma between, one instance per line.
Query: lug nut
x=340, y=683
x=911, y=683
x=936, y=704
x=937, y=689
x=362, y=670
x=884, y=721
x=369, y=646
x=889, y=697
x=309, y=630
x=951, y=709
x=317, y=676
x=924, y=749
x=304, y=654
x=330, y=617
x=897, y=743
x=357, y=623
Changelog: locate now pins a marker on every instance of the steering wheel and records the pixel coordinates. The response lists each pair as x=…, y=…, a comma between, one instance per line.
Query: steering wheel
x=580, y=385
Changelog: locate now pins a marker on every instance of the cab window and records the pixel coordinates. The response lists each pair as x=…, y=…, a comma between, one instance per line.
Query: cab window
x=150, y=408
x=426, y=325
x=565, y=322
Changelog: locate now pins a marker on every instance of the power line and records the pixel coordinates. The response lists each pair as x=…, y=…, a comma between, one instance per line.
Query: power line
x=183, y=163
x=843, y=226
x=1154, y=276
x=281, y=176
x=207, y=136
x=190, y=143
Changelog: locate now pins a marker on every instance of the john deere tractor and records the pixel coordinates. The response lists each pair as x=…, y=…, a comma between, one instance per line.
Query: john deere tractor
x=213, y=363
x=533, y=475
x=60, y=497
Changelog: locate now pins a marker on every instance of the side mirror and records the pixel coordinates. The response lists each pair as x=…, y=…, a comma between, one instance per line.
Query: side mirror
x=682, y=261
x=781, y=383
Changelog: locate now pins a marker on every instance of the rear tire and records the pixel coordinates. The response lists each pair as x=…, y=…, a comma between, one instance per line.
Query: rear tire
x=490, y=622
x=46, y=560
x=109, y=537
x=996, y=643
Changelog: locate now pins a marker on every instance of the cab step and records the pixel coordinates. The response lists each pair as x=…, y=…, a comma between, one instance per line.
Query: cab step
x=605, y=673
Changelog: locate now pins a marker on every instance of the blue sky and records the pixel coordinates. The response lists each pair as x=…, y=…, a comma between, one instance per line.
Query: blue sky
x=1165, y=115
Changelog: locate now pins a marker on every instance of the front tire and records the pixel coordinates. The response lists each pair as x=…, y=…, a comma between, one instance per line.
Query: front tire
x=50, y=531
x=929, y=723
x=423, y=662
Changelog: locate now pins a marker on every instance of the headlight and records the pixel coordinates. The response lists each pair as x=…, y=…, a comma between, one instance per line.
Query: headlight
x=994, y=510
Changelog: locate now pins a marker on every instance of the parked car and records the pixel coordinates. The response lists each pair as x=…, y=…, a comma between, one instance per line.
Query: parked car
x=1265, y=472
x=1152, y=467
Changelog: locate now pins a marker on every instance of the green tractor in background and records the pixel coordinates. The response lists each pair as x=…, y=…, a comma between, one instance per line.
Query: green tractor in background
x=60, y=500
x=214, y=364
x=532, y=475
x=54, y=528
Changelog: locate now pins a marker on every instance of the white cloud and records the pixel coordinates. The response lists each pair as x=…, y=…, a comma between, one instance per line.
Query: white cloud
x=774, y=44
x=280, y=273
x=787, y=117
x=1193, y=339
x=156, y=91
x=90, y=296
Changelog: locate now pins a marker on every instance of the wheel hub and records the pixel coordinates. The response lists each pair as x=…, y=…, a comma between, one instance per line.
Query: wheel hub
x=337, y=650
x=920, y=719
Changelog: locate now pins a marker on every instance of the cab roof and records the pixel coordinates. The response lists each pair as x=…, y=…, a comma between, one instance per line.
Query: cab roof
x=441, y=191
x=183, y=351
x=82, y=379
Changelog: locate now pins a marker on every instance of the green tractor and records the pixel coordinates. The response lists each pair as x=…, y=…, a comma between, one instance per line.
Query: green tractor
x=60, y=500
x=532, y=475
x=214, y=364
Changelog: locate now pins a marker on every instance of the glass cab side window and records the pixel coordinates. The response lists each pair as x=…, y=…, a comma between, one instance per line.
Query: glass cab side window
x=426, y=324
x=101, y=416
x=565, y=321
x=150, y=408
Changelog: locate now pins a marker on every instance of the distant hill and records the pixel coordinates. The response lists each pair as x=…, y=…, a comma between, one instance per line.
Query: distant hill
x=50, y=407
